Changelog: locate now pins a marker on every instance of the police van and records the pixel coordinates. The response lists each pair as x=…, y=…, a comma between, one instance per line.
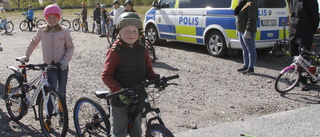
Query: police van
x=212, y=23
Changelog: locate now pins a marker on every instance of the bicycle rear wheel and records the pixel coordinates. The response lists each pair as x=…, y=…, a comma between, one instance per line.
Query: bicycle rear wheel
x=40, y=22
x=152, y=52
x=288, y=80
x=158, y=130
x=23, y=25
x=76, y=24
x=14, y=97
x=53, y=114
x=10, y=27
x=66, y=23
x=90, y=119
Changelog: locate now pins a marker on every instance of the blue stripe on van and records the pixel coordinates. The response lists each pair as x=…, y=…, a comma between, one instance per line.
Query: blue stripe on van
x=285, y=19
x=225, y=22
x=166, y=36
x=258, y=22
x=220, y=12
x=199, y=31
x=264, y=35
x=199, y=40
x=166, y=28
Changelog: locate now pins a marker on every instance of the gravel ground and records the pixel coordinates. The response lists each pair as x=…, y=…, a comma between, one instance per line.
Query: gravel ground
x=210, y=90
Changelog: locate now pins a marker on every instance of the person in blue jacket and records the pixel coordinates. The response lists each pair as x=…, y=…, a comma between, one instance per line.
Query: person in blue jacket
x=29, y=14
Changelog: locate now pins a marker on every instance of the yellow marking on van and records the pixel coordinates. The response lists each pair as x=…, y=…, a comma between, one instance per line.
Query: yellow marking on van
x=258, y=33
x=177, y=4
x=234, y=4
x=231, y=33
x=186, y=30
x=281, y=32
x=186, y=39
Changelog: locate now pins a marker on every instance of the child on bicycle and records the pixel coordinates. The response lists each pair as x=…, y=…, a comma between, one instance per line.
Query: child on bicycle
x=3, y=18
x=57, y=46
x=29, y=14
x=127, y=64
x=117, y=11
x=104, y=20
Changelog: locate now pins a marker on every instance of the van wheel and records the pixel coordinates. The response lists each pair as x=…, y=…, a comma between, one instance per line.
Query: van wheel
x=152, y=34
x=216, y=44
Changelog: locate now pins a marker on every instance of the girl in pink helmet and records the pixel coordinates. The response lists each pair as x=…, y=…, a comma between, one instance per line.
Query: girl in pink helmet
x=57, y=46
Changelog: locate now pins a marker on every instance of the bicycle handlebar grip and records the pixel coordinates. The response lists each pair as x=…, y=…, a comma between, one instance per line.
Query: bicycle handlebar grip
x=114, y=94
x=172, y=77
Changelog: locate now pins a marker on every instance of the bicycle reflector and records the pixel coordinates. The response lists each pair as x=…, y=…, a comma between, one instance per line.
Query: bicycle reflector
x=22, y=66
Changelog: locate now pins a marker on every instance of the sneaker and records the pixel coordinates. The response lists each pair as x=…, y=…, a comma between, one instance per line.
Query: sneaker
x=248, y=71
x=242, y=69
x=303, y=87
x=103, y=35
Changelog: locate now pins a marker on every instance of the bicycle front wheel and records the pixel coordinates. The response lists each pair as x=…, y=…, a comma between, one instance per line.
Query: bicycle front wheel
x=14, y=96
x=10, y=27
x=53, y=114
x=40, y=22
x=151, y=50
x=23, y=25
x=90, y=119
x=158, y=130
x=76, y=24
x=66, y=23
x=288, y=80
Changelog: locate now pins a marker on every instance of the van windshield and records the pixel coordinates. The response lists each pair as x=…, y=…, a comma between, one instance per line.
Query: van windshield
x=204, y=3
x=272, y=3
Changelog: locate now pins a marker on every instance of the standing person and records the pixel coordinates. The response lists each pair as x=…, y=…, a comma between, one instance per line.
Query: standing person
x=127, y=64
x=84, y=12
x=57, y=46
x=304, y=21
x=128, y=6
x=246, y=22
x=104, y=20
x=29, y=14
x=3, y=17
x=117, y=11
x=97, y=17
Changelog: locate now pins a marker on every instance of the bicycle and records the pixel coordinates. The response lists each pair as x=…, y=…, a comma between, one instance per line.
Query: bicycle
x=65, y=23
x=36, y=23
x=77, y=23
x=98, y=124
x=303, y=65
x=53, y=118
x=142, y=38
x=94, y=29
x=9, y=26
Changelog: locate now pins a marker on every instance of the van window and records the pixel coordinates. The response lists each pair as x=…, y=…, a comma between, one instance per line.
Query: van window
x=204, y=3
x=167, y=3
x=272, y=3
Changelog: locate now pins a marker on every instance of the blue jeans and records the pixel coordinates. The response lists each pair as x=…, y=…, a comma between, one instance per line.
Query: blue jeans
x=103, y=27
x=248, y=49
x=58, y=79
x=3, y=24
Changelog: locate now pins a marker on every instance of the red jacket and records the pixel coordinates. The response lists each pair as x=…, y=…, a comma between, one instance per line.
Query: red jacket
x=111, y=63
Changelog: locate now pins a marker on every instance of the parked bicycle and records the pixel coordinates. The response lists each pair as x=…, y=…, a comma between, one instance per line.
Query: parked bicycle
x=90, y=119
x=36, y=23
x=9, y=26
x=77, y=23
x=303, y=65
x=53, y=113
x=142, y=38
x=66, y=23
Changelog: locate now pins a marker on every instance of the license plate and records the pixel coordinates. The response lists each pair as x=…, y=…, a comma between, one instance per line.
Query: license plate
x=268, y=23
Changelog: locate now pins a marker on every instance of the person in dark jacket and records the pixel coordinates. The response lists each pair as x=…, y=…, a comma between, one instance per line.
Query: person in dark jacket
x=128, y=6
x=29, y=14
x=104, y=21
x=84, y=12
x=97, y=18
x=246, y=23
x=304, y=21
x=127, y=64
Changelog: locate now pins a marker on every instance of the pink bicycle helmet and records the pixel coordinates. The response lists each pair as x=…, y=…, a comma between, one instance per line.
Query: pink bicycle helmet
x=52, y=10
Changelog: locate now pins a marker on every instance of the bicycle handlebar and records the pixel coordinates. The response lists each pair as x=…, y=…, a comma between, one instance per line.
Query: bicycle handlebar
x=161, y=81
x=38, y=66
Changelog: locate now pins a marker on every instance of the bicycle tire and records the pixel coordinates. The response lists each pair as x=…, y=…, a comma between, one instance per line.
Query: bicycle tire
x=58, y=125
x=109, y=36
x=17, y=97
x=23, y=25
x=156, y=129
x=10, y=27
x=151, y=50
x=287, y=81
x=66, y=23
x=80, y=110
x=40, y=22
x=76, y=24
